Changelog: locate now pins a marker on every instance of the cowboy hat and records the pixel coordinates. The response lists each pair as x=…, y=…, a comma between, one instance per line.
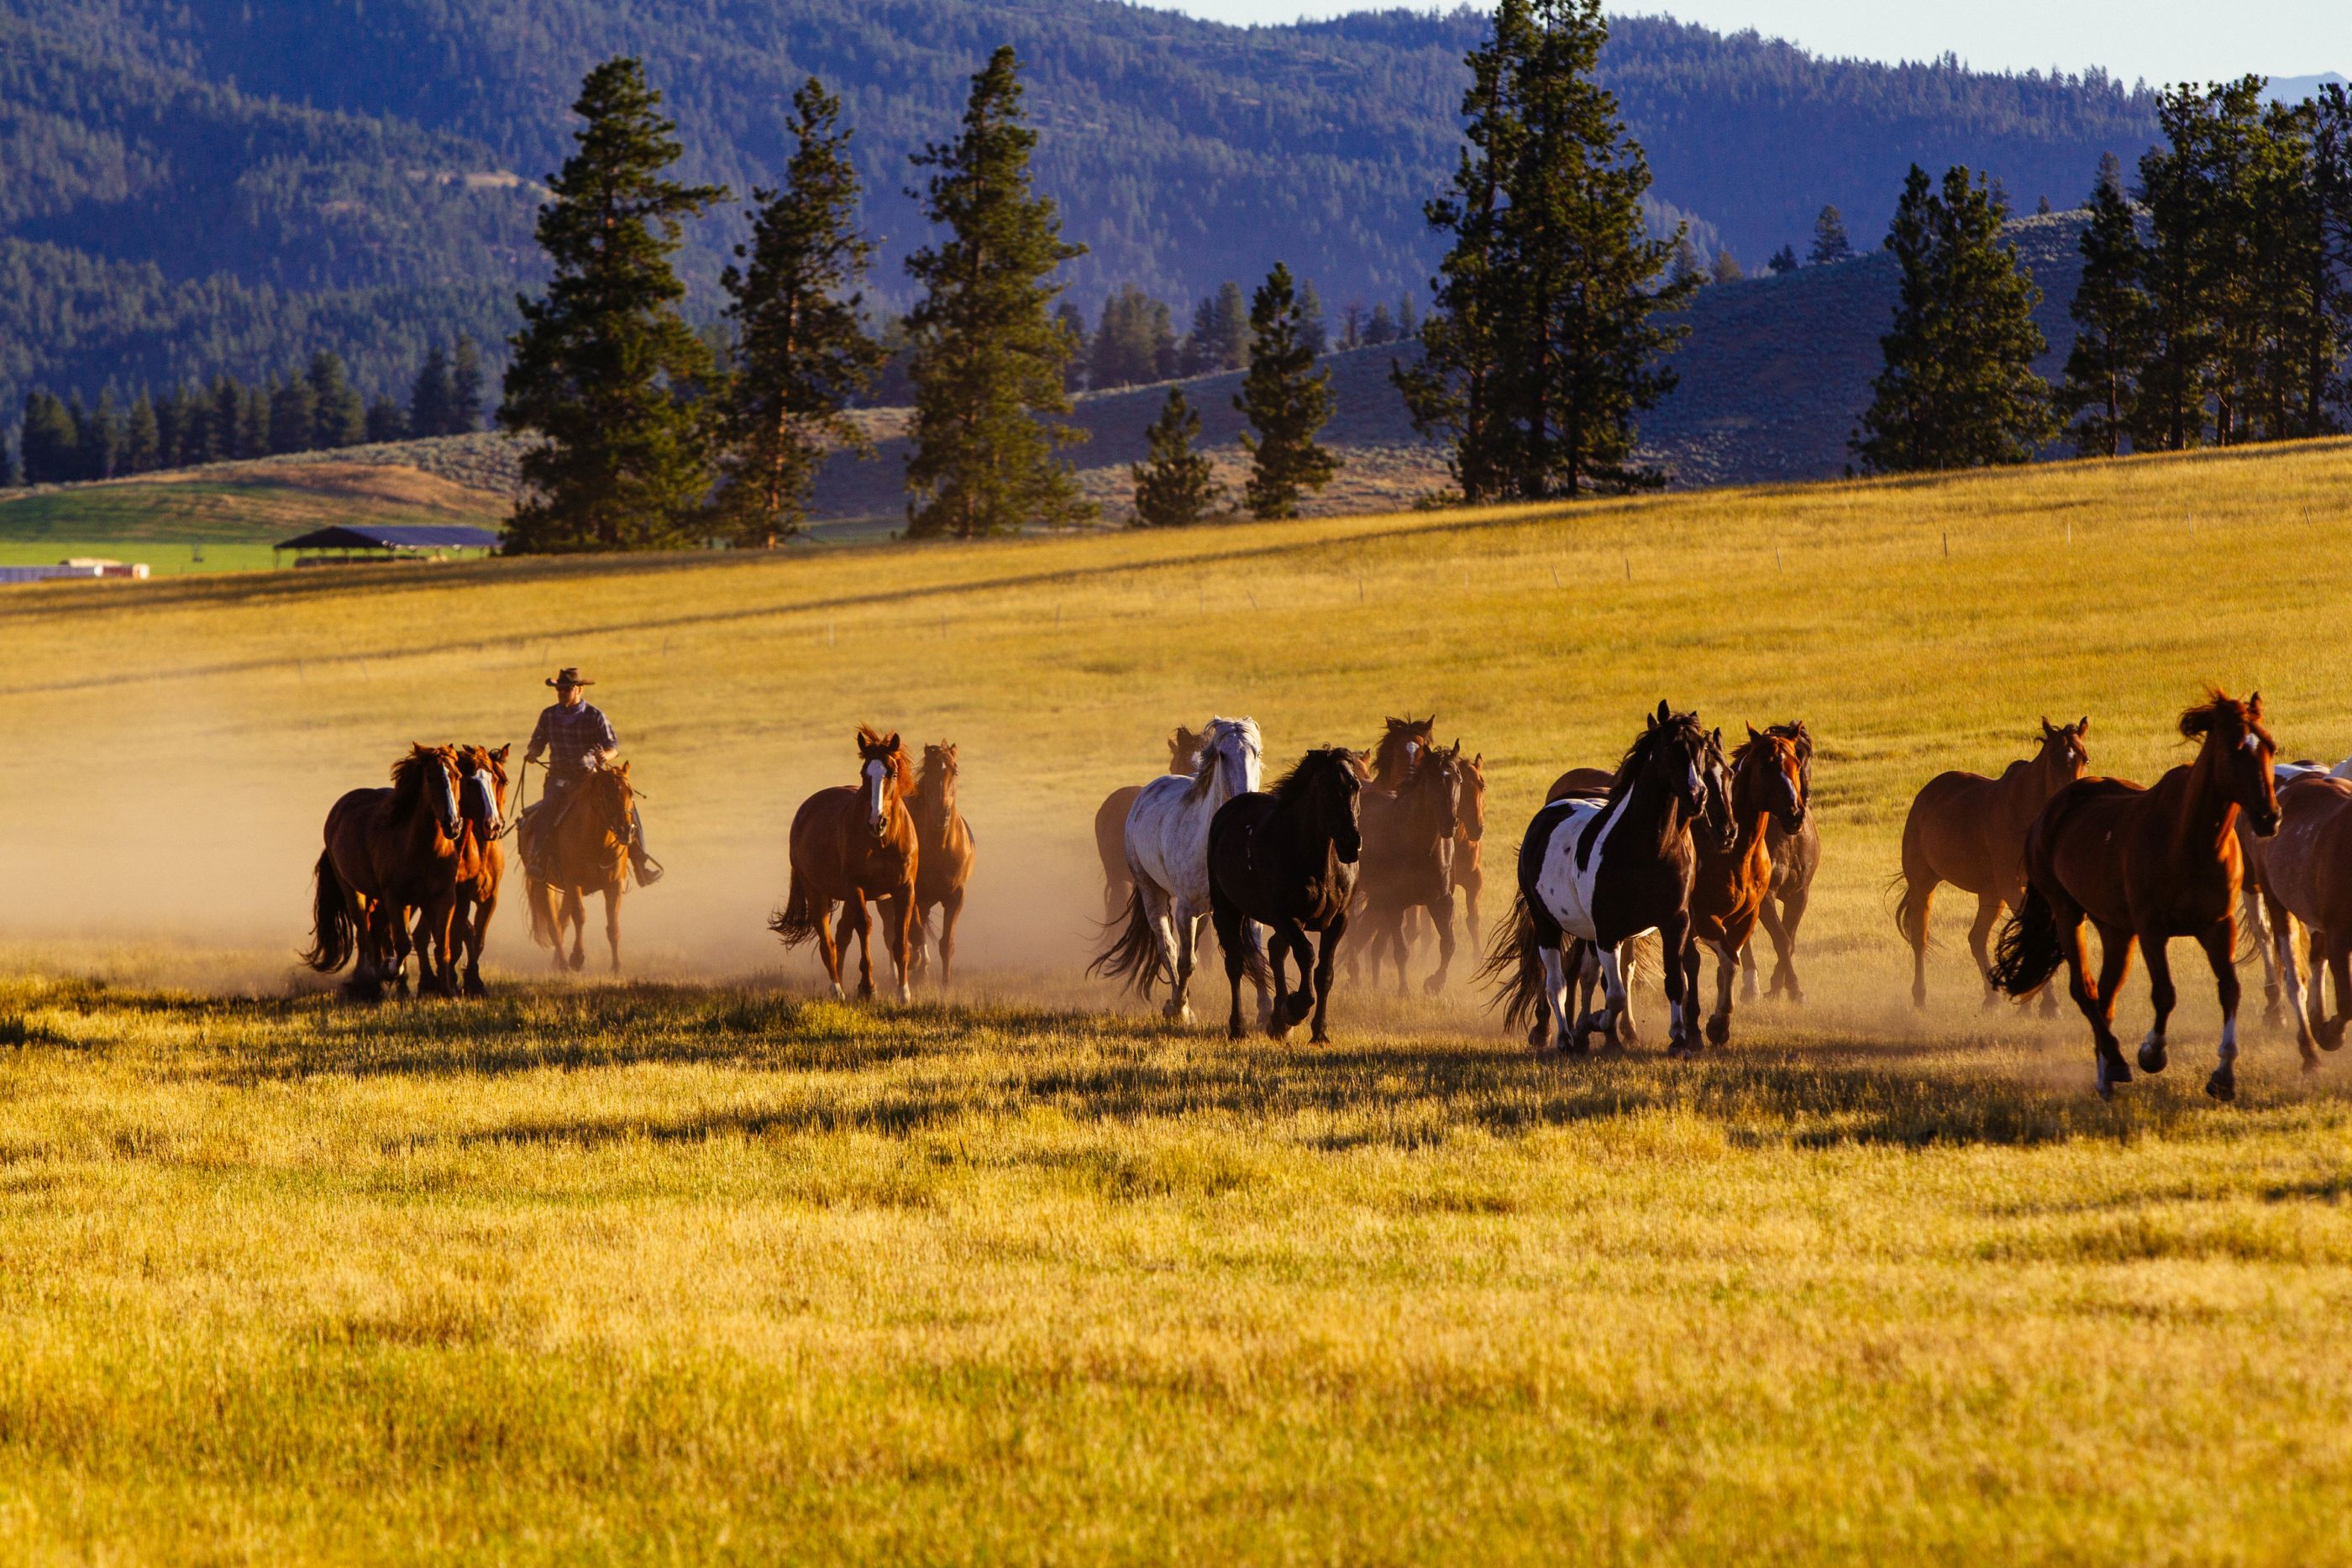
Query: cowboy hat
x=570, y=675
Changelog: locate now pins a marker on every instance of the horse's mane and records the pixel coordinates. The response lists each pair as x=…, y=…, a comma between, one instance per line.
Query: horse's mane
x=1629, y=767
x=1204, y=771
x=2197, y=720
x=408, y=774
x=1294, y=783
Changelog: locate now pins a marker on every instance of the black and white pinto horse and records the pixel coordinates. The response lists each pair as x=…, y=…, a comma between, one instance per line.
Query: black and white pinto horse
x=1602, y=871
x=1285, y=857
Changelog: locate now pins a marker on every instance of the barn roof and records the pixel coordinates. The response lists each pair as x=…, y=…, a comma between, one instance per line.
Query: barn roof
x=403, y=536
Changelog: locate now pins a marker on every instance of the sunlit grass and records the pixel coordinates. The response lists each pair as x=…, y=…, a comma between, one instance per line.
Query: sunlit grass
x=677, y=1270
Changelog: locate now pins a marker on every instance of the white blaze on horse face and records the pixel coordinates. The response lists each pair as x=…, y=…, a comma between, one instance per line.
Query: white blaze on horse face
x=445, y=798
x=481, y=781
x=875, y=771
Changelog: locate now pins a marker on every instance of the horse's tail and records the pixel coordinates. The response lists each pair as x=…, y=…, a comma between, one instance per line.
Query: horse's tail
x=539, y=898
x=2028, y=953
x=1514, y=967
x=1134, y=953
x=803, y=913
x=334, y=935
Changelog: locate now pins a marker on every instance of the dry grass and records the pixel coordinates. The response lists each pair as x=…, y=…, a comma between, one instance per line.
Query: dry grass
x=712, y=1272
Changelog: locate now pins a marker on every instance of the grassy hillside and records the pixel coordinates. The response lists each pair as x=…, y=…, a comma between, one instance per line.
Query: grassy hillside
x=664, y=1270
x=250, y=504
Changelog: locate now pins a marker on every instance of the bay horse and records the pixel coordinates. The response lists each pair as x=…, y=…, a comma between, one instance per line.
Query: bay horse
x=387, y=851
x=1409, y=846
x=1167, y=840
x=1733, y=883
x=944, y=855
x=2144, y=865
x=1796, y=858
x=1969, y=830
x=850, y=843
x=588, y=852
x=1606, y=870
x=1470, y=843
x=1399, y=749
x=1285, y=857
x=2305, y=875
x=1110, y=821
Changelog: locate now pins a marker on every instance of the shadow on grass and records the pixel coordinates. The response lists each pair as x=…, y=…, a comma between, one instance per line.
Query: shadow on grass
x=948, y=1063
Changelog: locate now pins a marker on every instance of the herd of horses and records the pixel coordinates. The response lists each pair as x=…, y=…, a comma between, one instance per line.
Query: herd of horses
x=1681, y=850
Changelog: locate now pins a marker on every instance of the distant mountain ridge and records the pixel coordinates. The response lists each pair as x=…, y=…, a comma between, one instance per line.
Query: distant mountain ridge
x=192, y=184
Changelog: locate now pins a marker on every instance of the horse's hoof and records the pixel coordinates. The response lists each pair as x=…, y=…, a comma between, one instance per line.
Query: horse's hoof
x=2310, y=1064
x=1718, y=1030
x=2223, y=1084
x=1321, y=1037
x=865, y=993
x=2112, y=1071
x=1991, y=999
x=2331, y=1037
x=1539, y=1036
x=906, y=996
x=1276, y=1031
x=1919, y=998
x=2151, y=1054
x=1233, y=1030
x=1434, y=987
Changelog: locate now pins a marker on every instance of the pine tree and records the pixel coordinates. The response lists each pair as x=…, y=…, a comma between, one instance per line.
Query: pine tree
x=386, y=421
x=604, y=371
x=466, y=386
x=2112, y=314
x=1134, y=342
x=1351, y=326
x=1726, y=268
x=338, y=417
x=1687, y=266
x=1072, y=322
x=1220, y=336
x=293, y=415
x=1380, y=327
x=1829, y=241
x=430, y=395
x=802, y=353
x=1174, y=485
x=142, y=440
x=1957, y=389
x=1782, y=260
x=2199, y=274
x=988, y=355
x=1314, y=331
x=48, y=441
x=12, y=467
x=253, y=423
x=101, y=443
x=1286, y=402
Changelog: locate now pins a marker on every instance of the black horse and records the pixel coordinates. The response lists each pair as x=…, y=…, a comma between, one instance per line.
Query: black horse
x=1285, y=857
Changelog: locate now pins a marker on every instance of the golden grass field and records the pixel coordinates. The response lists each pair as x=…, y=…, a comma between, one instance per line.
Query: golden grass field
x=697, y=1266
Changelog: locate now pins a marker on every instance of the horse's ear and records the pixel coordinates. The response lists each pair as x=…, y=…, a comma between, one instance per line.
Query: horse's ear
x=2082, y=725
x=2047, y=728
x=499, y=756
x=2255, y=706
x=890, y=743
x=1751, y=731
x=1664, y=713
x=1479, y=760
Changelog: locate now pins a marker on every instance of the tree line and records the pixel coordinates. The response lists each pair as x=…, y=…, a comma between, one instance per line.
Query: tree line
x=63, y=440
x=651, y=435
x=2214, y=309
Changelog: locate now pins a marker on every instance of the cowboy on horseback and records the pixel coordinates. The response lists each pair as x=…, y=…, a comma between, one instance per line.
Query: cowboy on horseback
x=576, y=739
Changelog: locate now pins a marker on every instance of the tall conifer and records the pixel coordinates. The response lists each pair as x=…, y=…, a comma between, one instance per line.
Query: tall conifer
x=1286, y=402
x=1174, y=484
x=2111, y=310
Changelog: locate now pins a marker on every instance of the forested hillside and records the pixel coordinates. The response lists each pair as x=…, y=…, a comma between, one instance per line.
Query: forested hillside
x=193, y=186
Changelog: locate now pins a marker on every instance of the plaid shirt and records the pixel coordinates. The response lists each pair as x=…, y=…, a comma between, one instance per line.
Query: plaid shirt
x=572, y=739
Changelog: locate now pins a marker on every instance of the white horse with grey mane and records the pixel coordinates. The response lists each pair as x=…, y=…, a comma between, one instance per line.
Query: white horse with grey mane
x=1168, y=857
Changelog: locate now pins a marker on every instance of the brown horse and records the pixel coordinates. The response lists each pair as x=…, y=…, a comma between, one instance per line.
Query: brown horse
x=1969, y=830
x=1409, y=841
x=388, y=851
x=1110, y=822
x=1470, y=843
x=588, y=852
x=2305, y=874
x=1581, y=783
x=944, y=864
x=850, y=843
x=1796, y=857
x=2145, y=866
x=1401, y=742
x=1733, y=882
x=481, y=864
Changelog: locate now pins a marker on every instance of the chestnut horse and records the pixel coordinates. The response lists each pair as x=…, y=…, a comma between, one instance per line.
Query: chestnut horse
x=1733, y=882
x=1470, y=843
x=388, y=851
x=589, y=854
x=1110, y=821
x=850, y=843
x=1401, y=742
x=945, y=854
x=2305, y=874
x=1796, y=857
x=2145, y=866
x=1408, y=860
x=1969, y=830
x=483, y=862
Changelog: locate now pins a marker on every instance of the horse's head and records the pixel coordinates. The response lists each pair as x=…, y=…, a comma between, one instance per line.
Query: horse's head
x=1440, y=781
x=482, y=790
x=1231, y=754
x=938, y=779
x=2242, y=752
x=1328, y=785
x=883, y=769
x=1795, y=733
x=1767, y=777
x=1685, y=764
x=1185, y=750
x=1473, y=797
x=2064, y=755
x=431, y=771
x=1401, y=748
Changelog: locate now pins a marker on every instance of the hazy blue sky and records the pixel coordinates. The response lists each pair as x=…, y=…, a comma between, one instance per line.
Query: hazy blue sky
x=2162, y=40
